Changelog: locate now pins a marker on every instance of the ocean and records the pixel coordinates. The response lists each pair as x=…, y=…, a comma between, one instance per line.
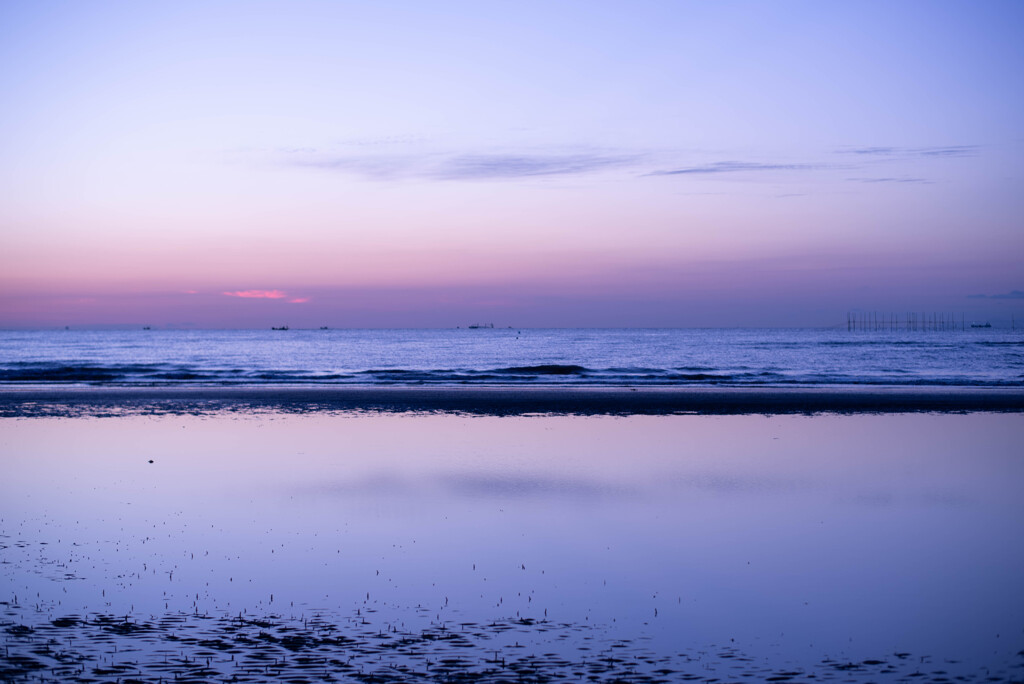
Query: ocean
x=515, y=357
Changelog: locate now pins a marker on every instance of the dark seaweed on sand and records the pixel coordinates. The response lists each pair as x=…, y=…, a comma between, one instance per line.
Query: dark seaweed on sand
x=198, y=648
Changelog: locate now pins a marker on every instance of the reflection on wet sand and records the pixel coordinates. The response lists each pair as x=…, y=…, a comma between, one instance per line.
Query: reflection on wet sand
x=414, y=547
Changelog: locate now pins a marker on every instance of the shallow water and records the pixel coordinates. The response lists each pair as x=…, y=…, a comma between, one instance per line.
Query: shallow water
x=795, y=544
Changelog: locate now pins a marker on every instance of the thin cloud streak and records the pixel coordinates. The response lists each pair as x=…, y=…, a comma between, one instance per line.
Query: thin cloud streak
x=499, y=166
x=736, y=167
x=890, y=180
x=935, y=151
x=495, y=166
x=465, y=167
x=256, y=294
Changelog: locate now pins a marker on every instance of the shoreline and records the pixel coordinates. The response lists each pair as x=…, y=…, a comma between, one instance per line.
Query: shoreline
x=505, y=400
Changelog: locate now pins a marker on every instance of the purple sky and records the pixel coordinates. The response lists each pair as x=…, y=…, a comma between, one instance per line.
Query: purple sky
x=528, y=164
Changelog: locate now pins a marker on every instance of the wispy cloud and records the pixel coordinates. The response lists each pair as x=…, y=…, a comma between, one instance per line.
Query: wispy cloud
x=875, y=151
x=735, y=167
x=487, y=166
x=935, y=151
x=953, y=151
x=389, y=162
x=266, y=294
x=462, y=167
x=257, y=294
x=1013, y=294
x=889, y=180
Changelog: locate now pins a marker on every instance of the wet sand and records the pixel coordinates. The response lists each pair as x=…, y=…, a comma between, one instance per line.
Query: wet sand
x=24, y=402
x=312, y=546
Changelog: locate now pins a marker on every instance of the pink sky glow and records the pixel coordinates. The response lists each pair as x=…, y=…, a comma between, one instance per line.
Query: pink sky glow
x=653, y=164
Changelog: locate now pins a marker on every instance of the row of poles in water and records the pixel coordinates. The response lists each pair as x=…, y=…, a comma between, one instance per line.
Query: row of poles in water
x=873, y=320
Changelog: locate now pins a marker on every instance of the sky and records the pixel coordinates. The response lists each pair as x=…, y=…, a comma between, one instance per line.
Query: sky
x=433, y=164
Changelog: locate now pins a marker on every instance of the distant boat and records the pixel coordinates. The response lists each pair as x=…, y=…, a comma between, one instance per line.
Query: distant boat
x=981, y=325
x=477, y=326
x=324, y=327
x=146, y=327
x=283, y=327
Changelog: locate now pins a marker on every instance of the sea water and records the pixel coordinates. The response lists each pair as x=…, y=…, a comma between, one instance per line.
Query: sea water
x=610, y=357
